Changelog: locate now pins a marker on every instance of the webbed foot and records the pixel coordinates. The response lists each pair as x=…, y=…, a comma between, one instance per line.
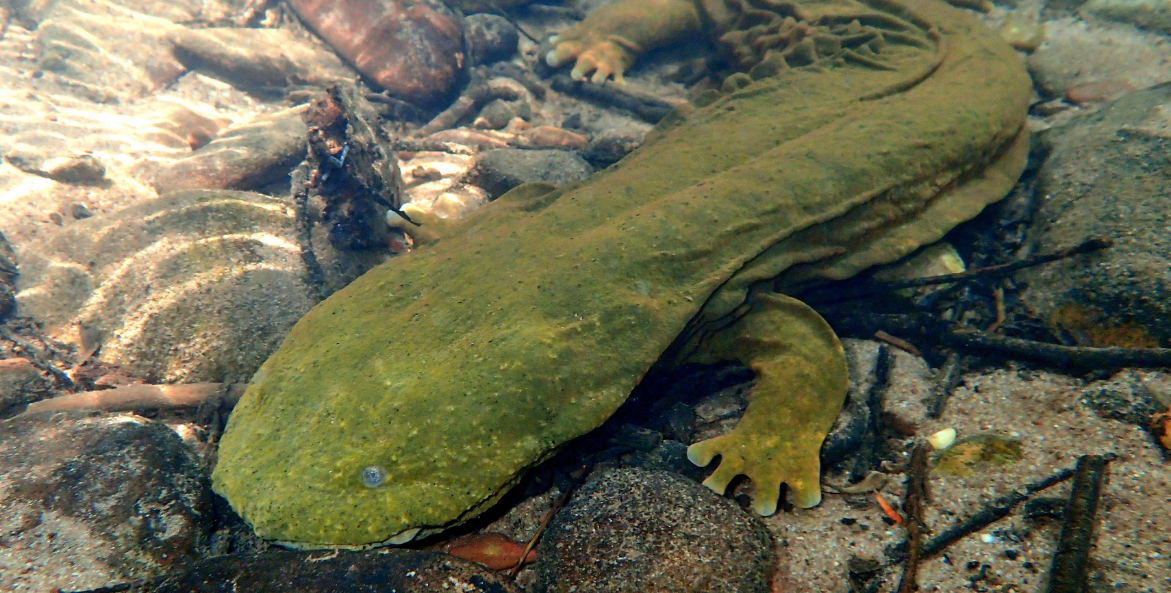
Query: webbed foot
x=607, y=42
x=603, y=57
x=801, y=385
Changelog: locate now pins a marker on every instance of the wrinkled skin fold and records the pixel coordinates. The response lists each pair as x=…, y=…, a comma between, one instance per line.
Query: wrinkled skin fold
x=862, y=131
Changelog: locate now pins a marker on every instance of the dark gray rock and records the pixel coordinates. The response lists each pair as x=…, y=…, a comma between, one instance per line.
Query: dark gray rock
x=375, y=571
x=490, y=38
x=20, y=383
x=1130, y=396
x=249, y=156
x=1107, y=176
x=650, y=532
x=497, y=113
x=109, y=498
x=502, y=169
x=609, y=146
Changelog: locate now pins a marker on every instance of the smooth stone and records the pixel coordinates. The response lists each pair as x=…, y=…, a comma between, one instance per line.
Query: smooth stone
x=373, y=571
x=640, y=531
x=193, y=286
x=258, y=60
x=106, y=53
x=1149, y=14
x=82, y=169
x=498, y=113
x=412, y=48
x=1103, y=178
x=1076, y=53
x=248, y=156
x=109, y=499
x=490, y=38
x=502, y=169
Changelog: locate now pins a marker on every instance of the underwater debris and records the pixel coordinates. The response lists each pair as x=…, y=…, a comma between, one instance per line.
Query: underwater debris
x=494, y=550
x=915, y=503
x=1071, y=561
x=137, y=397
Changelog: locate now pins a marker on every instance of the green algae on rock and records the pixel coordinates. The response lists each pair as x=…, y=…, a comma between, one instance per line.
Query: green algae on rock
x=456, y=368
x=976, y=453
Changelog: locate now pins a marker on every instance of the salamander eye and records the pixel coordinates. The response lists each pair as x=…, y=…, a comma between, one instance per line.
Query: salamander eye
x=373, y=476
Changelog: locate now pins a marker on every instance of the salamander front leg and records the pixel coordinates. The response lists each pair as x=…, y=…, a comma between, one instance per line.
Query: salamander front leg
x=802, y=382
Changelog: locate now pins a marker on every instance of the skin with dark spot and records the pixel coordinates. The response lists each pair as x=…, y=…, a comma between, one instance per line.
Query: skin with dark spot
x=468, y=361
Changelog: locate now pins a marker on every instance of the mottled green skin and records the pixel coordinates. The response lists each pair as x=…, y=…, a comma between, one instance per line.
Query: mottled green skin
x=465, y=363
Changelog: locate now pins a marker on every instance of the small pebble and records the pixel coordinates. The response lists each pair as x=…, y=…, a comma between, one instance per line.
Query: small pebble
x=987, y=538
x=1011, y=554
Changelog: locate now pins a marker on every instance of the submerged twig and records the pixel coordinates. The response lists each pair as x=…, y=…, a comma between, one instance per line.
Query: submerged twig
x=560, y=502
x=950, y=334
x=645, y=107
x=914, y=504
x=135, y=397
x=947, y=380
x=1071, y=561
x=825, y=297
x=992, y=512
x=38, y=359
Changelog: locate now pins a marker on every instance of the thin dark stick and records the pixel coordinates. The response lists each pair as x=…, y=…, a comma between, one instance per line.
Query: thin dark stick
x=1071, y=561
x=1058, y=355
x=949, y=334
x=560, y=502
x=37, y=358
x=914, y=503
x=647, y=108
x=875, y=288
x=947, y=380
x=994, y=511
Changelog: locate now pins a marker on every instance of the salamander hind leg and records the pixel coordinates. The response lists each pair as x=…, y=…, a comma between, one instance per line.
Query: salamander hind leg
x=609, y=40
x=801, y=386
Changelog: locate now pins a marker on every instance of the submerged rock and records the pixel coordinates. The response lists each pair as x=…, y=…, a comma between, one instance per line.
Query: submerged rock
x=193, y=286
x=651, y=532
x=258, y=60
x=107, y=498
x=412, y=48
x=1105, y=178
x=490, y=38
x=1150, y=14
x=109, y=53
x=502, y=169
x=339, y=572
x=248, y=156
x=1076, y=53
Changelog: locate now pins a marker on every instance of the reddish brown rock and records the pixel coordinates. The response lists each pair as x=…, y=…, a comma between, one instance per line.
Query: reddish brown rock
x=553, y=137
x=494, y=550
x=412, y=48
